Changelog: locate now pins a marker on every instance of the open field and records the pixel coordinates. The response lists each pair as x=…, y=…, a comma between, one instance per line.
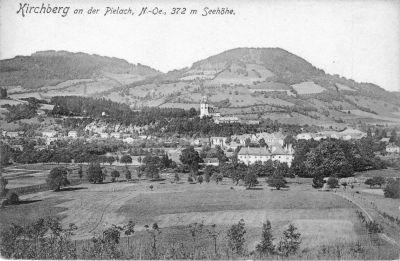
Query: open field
x=322, y=218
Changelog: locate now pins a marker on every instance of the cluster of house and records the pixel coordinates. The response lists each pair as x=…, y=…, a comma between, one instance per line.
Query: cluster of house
x=393, y=148
x=347, y=134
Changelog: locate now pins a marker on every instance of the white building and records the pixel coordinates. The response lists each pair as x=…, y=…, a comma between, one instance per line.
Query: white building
x=218, y=141
x=49, y=134
x=249, y=155
x=116, y=135
x=304, y=136
x=73, y=134
x=104, y=135
x=393, y=148
x=206, y=109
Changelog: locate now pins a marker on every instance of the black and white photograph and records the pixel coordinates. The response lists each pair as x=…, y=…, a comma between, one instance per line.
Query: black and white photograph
x=206, y=130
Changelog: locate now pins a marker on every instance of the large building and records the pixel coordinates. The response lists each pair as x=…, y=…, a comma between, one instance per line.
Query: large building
x=250, y=155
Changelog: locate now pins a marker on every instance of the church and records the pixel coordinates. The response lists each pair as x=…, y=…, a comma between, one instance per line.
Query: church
x=207, y=110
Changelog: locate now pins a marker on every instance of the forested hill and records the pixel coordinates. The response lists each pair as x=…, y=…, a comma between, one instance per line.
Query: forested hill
x=47, y=68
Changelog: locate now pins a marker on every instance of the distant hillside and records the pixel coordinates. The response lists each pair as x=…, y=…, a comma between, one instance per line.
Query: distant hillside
x=48, y=68
x=252, y=83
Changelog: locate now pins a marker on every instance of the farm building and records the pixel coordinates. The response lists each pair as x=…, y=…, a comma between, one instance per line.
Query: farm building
x=392, y=148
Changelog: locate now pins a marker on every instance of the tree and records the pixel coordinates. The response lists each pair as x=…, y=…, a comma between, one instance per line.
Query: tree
x=3, y=93
x=290, y=242
x=57, y=178
x=332, y=182
x=126, y=159
x=95, y=173
x=191, y=158
x=80, y=172
x=110, y=160
x=3, y=184
x=375, y=181
x=262, y=142
x=115, y=175
x=128, y=174
x=220, y=155
x=236, y=238
x=392, y=189
x=200, y=179
x=247, y=142
x=250, y=179
x=289, y=140
x=327, y=159
x=393, y=136
x=277, y=180
x=266, y=246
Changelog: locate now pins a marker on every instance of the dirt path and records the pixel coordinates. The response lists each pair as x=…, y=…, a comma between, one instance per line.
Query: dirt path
x=382, y=235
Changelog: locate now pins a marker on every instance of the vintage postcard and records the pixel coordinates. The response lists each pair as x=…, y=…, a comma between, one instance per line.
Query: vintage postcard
x=208, y=130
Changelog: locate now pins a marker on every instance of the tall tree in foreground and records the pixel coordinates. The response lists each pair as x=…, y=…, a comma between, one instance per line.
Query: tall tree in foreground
x=290, y=242
x=57, y=178
x=266, y=246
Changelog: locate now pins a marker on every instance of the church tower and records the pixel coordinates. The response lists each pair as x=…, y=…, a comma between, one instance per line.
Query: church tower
x=204, y=107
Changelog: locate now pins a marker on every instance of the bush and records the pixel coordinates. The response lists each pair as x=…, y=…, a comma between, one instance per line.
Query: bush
x=392, y=189
x=236, y=238
x=200, y=179
x=128, y=174
x=95, y=173
x=375, y=181
x=115, y=175
x=12, y=199
x=190, y=179
x=332, y=182
x=276, y=181
x=57, y=178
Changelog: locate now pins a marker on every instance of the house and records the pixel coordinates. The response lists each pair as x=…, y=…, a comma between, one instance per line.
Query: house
x=200, y=142
x=218, y=141
x=49, y=134
x=115, y=135
x=392, y=148
x=129, y=140
x=104, y=135
x=12, y=134
x=385, y=140
x=226, y=119
x=73, y=134
x=210, y=161
x=304, y=136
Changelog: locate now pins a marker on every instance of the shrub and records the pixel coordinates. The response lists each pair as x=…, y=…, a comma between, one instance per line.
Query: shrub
x=276, y=181
x=11, y=199
x=200, y=179
x=190, y=179
x=128, y=174
x=115, y=175
x=392, y=189
x=236, y=238
x=266, y=246
x=332, y=182
x=375, y=181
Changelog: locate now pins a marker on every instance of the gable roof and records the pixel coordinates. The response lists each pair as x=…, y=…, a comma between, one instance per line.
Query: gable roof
x=254, y=151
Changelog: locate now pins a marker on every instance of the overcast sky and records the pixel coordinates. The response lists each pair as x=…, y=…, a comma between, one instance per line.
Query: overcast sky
x=356, y=39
